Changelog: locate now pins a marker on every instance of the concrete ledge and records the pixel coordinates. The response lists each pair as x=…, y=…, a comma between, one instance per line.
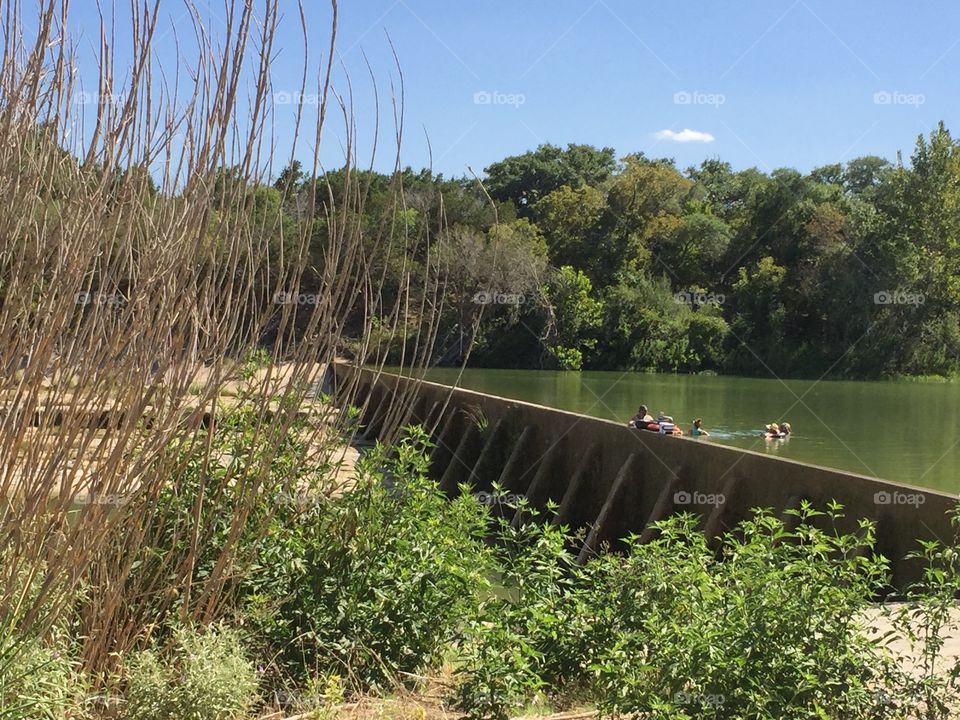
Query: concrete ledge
x=615, y=480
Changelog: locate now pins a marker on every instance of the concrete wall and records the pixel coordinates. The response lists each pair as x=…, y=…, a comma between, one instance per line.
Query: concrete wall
x=614, y=481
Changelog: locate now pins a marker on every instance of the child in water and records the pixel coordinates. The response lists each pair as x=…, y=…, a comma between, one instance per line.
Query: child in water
x=697, y=431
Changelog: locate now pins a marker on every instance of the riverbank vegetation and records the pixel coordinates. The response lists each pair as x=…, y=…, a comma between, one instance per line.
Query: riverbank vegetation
x=598, y=261
x=177, y=538
x=386, y=585
x=591, y=260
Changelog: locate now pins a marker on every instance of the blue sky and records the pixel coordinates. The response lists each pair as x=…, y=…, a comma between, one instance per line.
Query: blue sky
x=765, y=83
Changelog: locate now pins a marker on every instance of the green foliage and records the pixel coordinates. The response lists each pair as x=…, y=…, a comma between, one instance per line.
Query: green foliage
x=40, y=677
x=572, y=219
x=370, y=585
x=800, y=258
x=577, y=316
x=255, y=360
x=771, y=629
x=926, y=618
x=202, y=675
x=38, y=680
x=524, y=179
x=768, y=625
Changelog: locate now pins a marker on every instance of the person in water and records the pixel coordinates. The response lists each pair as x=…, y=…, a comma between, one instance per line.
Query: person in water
x=785, y=428
x=697, y=431
x=773, y=432
x=641, y=418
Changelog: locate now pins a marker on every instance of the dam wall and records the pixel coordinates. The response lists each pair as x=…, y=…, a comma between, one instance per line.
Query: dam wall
x=614, y=481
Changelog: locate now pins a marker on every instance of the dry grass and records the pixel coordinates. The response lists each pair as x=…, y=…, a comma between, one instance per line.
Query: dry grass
x=137, y=276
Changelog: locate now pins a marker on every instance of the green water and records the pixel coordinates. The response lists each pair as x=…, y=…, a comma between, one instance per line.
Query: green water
x=902, y=431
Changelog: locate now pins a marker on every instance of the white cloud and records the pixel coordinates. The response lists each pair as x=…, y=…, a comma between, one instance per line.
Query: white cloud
x=684, y=136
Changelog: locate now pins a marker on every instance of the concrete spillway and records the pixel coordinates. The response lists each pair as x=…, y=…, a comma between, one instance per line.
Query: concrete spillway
x=614, y=481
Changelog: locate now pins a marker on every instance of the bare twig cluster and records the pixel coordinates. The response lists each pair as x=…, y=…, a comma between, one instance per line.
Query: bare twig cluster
x=140, y=265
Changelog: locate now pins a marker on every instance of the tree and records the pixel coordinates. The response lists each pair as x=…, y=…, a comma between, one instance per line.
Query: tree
x=571, y=220
x=524, y=179
x=691, y=246
x=491, y=279
x=291, y=178
x=645, y=200
x=832, y=174
x=759, y=317
x=864, y=174
x=575, y=316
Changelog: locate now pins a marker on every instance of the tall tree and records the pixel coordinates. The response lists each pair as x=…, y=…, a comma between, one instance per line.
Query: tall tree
x=524, y=179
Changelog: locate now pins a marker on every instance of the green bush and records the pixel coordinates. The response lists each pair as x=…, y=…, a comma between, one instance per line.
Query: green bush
x=370, y=585
x=39, y=672
x=768, y=625
x=199, y=676
x=528, y=637
x=923, y=622
x=38, y=681
x=214, y=513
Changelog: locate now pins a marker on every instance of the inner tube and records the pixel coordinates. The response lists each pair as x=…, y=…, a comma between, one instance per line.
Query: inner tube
x=668, y=428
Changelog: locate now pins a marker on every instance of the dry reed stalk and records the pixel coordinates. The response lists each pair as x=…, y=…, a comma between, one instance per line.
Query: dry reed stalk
x=137, y=274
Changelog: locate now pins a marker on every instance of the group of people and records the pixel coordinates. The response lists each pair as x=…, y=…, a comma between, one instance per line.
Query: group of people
x=643, y=420
x=777, y=431
x=663, y=423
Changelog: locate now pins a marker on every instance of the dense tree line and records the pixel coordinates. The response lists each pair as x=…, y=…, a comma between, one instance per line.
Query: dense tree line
x=573, y=258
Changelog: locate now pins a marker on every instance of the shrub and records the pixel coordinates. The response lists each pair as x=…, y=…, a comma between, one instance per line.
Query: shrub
x=372, y=584
x=37, y=681
x=200, y=676
x=767, y=625
x=923, y=623
x=203, y=530
x=528, y=637
x=39, y=675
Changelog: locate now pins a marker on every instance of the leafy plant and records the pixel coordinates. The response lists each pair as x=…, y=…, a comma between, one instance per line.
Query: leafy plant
x=770, y=624
x=202, y=675
x=370, y=585
x=922, y=623
x=527, y=637
x=37, y=681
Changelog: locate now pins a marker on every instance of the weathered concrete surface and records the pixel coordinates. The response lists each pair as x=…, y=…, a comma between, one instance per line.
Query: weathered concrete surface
x=613, y=480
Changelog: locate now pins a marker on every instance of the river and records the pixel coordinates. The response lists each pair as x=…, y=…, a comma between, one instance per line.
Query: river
x=902, y=431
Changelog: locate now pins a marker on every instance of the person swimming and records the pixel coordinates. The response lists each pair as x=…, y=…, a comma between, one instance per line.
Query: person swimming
x=697, y=431
x=774, y=432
